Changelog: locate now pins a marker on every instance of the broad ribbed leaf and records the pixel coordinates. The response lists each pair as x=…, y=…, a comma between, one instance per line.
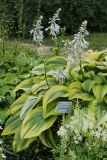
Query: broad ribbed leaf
x=12, y=125
x=28, y=105
x=56, y=62
x=87, y=85
x=83, y=96
x=21, y=144
x=46, y=138
x=38, y=70
x=34, y=123
x=43, y=85
x=54, y=93
x=100, y=91
x=75, y=88
x=24, y=85
x=18, y=104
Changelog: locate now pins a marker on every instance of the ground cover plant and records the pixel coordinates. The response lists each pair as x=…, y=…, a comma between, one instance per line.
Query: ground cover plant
x=79, y=77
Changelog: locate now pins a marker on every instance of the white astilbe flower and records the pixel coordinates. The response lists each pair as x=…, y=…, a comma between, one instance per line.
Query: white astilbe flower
x=62, y=131
x=54, y=27
x=79, y=45
x=59, y=74
x=37, y=31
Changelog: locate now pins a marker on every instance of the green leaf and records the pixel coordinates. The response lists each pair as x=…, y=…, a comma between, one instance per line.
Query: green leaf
x=75, y=88
x=38, y=70
x=87, y=85
x=3, y=114
x=11, y=125
x=100, y=91
x=18, y=104
x=56, y=62
x=24, y=85
x=20, y=144
x=83, y=96
x=43, y=85
x=46, y=138
x=28, y=105
x=54, y=93
x=34, y=123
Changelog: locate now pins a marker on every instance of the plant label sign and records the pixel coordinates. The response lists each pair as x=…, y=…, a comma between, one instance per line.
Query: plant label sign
x=63, y=107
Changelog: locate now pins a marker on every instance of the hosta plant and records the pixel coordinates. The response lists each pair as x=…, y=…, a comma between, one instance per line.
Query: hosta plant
x=33, y=114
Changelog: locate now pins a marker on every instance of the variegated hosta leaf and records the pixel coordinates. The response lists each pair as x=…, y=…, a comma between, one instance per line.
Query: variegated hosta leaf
x=87, y=85
x=100, y=91
x=46, y=138
x=28, y=105
x=20, y=144
x=12, y=125
x=43, y=85
x=83, y=96
x=54, y=93
x=24, y=85
x=38, y=70
x=34, y=123
x=56, y=62
x=18, y=104
x=75, y=88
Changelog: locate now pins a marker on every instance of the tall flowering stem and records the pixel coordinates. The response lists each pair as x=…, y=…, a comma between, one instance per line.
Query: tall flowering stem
x=37, y=31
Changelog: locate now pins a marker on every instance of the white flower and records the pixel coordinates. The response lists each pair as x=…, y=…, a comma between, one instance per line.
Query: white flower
x=79, y=45
x=54, y=28
x=3, y=156
x=1, y=127
x=62, y=131
x=60, y=75
x=37, y=31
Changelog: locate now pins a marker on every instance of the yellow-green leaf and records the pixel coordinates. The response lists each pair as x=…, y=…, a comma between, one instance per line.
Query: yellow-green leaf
x=11, y=125
x=54, y=93
x=46, y=138
x=34, y=123
x=100, y=91
x=20, y=144
x=24, y=85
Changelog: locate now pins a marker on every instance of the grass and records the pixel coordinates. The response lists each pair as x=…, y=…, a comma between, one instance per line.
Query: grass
x=97, y=41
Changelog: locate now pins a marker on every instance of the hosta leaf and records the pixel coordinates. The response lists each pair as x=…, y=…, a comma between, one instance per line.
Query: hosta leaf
x=54, y=93
x=11, y=125
x=20, y=144
x=43, y=85
x=87, y=85
x=38, y=70
x=34, y=123
x=46, y=138
x=100, y=91
x=51, y=110
x=83, y=96
x=56, y=62
x=18, y=104
x=74, y=88
x=24, y=85
x=28, y=105
x=4, y=112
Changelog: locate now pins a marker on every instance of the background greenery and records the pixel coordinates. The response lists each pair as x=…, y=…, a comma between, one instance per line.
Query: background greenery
x=21, y=14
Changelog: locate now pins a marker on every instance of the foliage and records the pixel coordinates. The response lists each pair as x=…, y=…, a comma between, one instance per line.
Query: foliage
x=34, y=111
x=83, y=136
x=14, y=67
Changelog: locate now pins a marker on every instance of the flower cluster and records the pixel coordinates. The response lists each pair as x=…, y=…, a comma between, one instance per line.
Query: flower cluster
x=54, y=27
x=79, y=45
x=85, y=131
x=59, y=74
x=37, y=31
